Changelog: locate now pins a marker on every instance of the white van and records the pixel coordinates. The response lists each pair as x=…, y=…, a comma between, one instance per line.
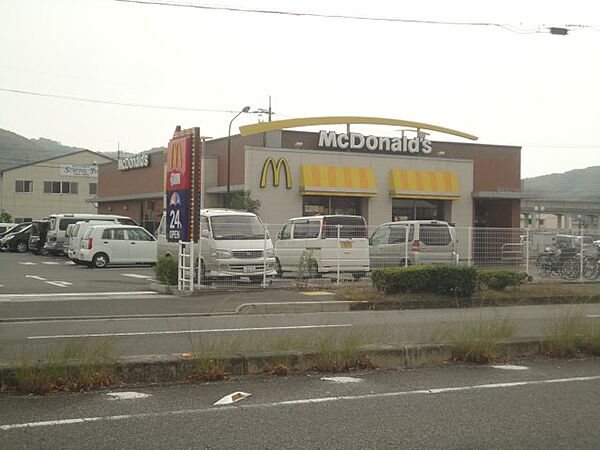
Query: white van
x=333, y=241
x=56, y=240
x=232, y=244
x=413, y=242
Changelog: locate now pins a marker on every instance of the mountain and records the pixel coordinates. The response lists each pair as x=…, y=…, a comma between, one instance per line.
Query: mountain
x=16, y=150
x=578, y=183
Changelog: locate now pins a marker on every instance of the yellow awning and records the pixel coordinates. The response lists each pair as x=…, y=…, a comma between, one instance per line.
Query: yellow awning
x=338, y=181
x=424, y=184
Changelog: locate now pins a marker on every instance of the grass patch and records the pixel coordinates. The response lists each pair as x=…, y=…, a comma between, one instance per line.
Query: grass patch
x=531, y=293
x=572, y=335
x=73, y=367
x=210, y=357
x=340, y=354
x=478, y=342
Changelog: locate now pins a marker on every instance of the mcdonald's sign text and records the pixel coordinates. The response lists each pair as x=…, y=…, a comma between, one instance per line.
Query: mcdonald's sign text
x=179, y=164
x=276, y=170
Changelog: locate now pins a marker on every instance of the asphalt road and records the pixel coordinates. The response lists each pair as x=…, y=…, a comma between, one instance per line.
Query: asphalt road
x=255, y=333
x=27, y=273
x=550, y=404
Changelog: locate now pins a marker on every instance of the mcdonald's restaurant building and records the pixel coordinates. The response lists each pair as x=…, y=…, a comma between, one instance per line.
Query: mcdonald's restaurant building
x=295, y=173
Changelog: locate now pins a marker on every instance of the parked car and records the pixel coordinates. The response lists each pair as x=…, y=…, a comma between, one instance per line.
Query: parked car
x=58, y=224
x=17, y=241
x=413, y=242
x=232, y=245
x=74, y=235
x=5, y=227
x=332, y=242
x=37, y=237
x=118, y=244
x=14, y=228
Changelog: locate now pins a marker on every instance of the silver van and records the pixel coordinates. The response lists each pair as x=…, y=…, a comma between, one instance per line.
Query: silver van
x=56, y=239
x=413, y=242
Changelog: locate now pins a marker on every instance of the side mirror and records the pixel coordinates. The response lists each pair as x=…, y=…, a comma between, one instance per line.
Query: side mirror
x=279, y=235
x=205, y=234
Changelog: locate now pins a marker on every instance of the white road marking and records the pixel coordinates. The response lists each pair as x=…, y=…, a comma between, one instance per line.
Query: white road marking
x=35, y=277
x=51, y=263
x=135, y=275
x=215, y=330
x=126, y=395
x=510, y=367
x=306, y=401
x=28, y=263
x=316, y=293
x=49, y=297
x=59, y=283
x=69, y=263
x=593, y=315
x=232, y=398
x=342, y=380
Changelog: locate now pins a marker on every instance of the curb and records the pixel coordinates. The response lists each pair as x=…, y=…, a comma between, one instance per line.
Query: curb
x=293, y=307
x=176, y=367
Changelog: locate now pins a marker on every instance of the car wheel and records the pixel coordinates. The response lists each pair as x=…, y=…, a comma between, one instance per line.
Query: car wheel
x=278, y=268
x=256, y=279
x=313, y=270
x=21, y=247
x=100, y=260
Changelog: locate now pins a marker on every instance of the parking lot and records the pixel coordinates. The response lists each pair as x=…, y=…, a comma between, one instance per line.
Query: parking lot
x=26, y=273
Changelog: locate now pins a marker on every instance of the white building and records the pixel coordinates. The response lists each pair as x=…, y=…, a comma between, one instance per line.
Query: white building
x=63, y=184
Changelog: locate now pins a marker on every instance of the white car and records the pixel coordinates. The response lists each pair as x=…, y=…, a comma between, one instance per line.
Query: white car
x=117, y=244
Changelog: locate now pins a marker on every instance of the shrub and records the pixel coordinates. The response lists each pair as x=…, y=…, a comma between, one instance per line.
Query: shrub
x=500, y=279
x=166, y=271
x=446, y=280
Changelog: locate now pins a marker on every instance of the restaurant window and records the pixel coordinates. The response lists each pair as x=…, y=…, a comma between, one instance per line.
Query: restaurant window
x=418, y=209
x=321, y=204
x=93, y=188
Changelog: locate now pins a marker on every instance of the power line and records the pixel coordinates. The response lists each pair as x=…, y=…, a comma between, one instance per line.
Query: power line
x=110, y=102
x=508, y=27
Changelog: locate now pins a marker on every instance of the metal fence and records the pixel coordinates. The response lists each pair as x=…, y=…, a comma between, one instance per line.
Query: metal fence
x=244, y=255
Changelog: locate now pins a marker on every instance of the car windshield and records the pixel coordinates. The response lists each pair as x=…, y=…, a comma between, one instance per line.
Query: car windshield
x=237, y=227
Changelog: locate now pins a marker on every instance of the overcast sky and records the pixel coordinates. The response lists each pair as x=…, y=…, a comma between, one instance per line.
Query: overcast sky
x=537, y=90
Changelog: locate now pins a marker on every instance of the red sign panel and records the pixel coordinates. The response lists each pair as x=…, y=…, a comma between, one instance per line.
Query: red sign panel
x=179, y=164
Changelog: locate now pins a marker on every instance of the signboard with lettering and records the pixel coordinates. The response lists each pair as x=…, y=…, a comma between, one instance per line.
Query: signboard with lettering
x=358, y=142
x=79, y=170
x=178, y=215
x=134, y=162
x=179, y=164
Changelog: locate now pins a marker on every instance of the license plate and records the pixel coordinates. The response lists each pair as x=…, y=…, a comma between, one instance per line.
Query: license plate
x=346, y=244
x=248, y=269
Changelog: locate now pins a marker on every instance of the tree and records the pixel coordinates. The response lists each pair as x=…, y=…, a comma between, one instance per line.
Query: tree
x=7, y=218
x=244, y=202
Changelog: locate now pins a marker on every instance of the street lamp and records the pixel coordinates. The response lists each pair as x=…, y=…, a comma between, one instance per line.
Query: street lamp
x=245, y=109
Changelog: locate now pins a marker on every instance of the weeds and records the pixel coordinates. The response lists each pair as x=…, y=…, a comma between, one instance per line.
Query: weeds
x=335, y=354
x=73, y=367
x=572, y=335
x=478, y=342
x=210, y=357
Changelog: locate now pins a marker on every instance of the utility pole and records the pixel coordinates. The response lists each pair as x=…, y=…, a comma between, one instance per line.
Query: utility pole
x=270, y=111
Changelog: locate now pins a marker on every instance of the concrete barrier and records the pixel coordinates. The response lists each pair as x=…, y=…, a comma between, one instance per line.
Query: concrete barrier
x=292, y=307
x=180, y=367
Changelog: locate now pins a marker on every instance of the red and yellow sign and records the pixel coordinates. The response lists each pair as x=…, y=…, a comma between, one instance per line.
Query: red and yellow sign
x=179, y=164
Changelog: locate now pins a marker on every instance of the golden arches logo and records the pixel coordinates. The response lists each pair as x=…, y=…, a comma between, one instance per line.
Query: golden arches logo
x=276, y=169
x=175, y=157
